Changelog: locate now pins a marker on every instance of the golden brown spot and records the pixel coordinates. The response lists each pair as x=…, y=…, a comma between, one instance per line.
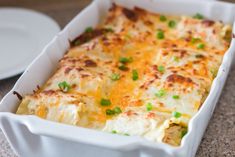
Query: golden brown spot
x=194, y=71
x=174, y=45
x=161, y=104
x=148, y=23
x=155, y=67
x=165, y=53
x=170, y=85
x=147, y=84
x=140, y=10
x=79, y=69
x=187, y=39
x=183, y=53
x=67, y=70
x=208, y=23
x=151, y=115
x=136, y=103
x=175, y=78
x=131, y=15
x=214, y=32
x=196, y=62
x=108, y=62
x=199, y=56
x=84, y=75
x=49, y=92
x=74, y=86
x=130, y=113
x=90, y=63
x=87, y=36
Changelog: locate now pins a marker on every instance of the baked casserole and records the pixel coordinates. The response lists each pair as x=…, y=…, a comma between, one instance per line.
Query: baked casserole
x=136, y=74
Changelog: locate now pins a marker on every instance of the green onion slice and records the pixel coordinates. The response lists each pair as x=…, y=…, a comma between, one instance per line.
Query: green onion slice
x=64, y=86
x=135, y=75
x=176, y=114
x=105, y=102
x=115, y=77
x=149, y=107
x=160, y=93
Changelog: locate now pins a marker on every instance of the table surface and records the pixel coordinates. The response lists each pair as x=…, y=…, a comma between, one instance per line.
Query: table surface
x=219, y=138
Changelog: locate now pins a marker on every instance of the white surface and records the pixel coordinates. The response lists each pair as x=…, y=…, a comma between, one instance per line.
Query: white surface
x=31, y=136
x=23, y=34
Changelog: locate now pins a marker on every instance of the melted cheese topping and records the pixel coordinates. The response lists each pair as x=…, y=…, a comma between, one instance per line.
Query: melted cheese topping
x=138, y=73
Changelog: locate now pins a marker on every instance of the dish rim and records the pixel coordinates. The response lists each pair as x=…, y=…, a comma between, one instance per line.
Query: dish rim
x=37, y=125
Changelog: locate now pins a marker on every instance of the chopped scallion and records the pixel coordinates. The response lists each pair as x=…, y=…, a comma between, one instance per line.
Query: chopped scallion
x=125, y=60
x=162, y=18
x=64, y=86
x=115, y=77
x=201, y=46
x=160, y=34
x=114, y=131
x=198, y=16
x=109, y=112
x=194, y=40
x=89, y=30
x=123, y=67
x=161, y=68
x=160, y=93
x=149, y=107
x=176, y=114
x=135, y=75
x=176, y=59
x=172, y=24
x=105, y=102
x=175, y=96
x=117, y=110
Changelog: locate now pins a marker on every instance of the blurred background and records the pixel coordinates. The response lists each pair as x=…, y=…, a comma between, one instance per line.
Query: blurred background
x=60, y=10
x=219, y=138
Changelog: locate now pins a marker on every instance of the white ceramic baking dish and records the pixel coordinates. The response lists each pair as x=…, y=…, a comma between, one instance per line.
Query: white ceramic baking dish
x=30, y=136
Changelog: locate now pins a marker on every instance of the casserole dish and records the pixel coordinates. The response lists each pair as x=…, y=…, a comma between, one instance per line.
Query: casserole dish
x=31, y=136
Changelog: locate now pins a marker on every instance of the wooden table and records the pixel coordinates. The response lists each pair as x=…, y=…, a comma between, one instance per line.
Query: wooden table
x=219, y=139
